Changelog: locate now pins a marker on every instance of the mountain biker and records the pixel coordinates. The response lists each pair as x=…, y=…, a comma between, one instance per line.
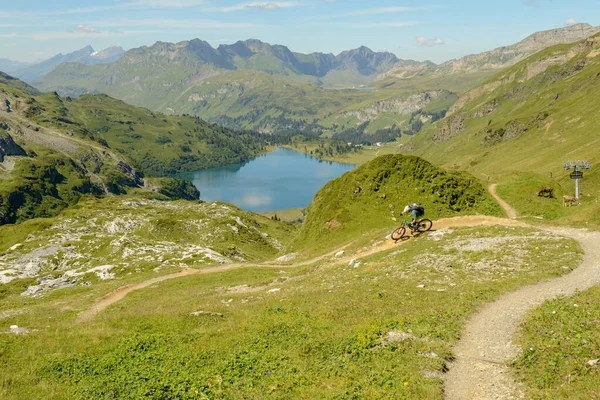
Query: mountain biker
x=417, y=211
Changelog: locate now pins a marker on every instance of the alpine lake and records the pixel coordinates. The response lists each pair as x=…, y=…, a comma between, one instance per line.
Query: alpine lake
x=279, y=180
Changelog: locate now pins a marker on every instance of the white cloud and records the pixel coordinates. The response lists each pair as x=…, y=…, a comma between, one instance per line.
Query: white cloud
x=266, y=5
x=167, y=3
x=174, y=24
x=421, y=41
x=401, y=24
x=384, y=10
x=137, y=4
x=570, y=22
x=72, y=35
x=87, y=35
x=368, y=25
x=86, y=29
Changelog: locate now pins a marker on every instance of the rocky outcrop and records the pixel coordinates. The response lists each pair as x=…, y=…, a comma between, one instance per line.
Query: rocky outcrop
x=406, y=106
x=449, y=128
x=5, y=104
x=8, y=147
x=92, y=162
x=127, y=169
x=485, y=109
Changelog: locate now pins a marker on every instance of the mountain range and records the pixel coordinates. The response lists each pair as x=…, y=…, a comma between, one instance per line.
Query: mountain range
x=268, y=88
x=30, y=72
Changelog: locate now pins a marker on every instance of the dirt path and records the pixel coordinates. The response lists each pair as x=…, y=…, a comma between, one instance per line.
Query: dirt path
x=480, y=370
x=115, y=296
x=510, y=212
x=121, y=292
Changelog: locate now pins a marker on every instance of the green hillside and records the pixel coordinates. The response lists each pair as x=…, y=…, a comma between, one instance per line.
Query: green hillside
x=372, y=197
x=54, y=149
x=521, y=125
x=251, y=99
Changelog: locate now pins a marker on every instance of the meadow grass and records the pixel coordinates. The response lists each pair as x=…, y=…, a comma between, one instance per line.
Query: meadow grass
x=559, y=339
x=380, y=327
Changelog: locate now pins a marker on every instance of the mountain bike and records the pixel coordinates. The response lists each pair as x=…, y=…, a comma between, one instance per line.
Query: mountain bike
x=421, y=225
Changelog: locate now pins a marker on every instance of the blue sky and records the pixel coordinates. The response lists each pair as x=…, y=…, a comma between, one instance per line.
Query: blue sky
x=412, y=29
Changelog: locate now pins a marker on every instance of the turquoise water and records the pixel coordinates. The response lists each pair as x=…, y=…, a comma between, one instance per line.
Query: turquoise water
x=275, y=181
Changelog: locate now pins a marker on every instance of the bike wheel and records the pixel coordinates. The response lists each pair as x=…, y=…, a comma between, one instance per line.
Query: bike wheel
x=424, y=225
x=398, y=233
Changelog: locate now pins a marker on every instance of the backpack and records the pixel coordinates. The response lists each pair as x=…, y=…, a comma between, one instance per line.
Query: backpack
x=417, y=207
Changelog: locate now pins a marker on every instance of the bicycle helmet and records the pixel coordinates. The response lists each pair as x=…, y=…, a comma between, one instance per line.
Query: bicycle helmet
x=406, y=209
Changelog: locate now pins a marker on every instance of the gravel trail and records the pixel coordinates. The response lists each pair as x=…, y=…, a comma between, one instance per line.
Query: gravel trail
x=480, y=370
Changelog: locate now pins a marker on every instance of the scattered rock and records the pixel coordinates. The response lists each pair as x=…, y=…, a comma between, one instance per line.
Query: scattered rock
x=429, y=354
x=18, y=331
x=339, y=253
x=420, y=286
x=593, y=363
x=102, y=272
x=274, y=290
x=399, y=336
x=16, y=246
x=209, y=313
x=48, y=283
x=432, y=374
x=287, y=257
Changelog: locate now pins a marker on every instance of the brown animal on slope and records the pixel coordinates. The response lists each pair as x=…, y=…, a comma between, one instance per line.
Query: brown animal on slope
x=546, y=192
x=570, y=201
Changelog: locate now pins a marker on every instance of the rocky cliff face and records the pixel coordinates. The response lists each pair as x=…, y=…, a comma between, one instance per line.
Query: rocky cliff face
x=406, y=106
x=501, y=57
x=8, y=147
x=449, y=128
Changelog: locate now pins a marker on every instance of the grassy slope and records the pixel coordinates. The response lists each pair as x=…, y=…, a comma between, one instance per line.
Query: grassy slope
x=371, y=198
x=89, y=146
x=156, y=143
x=554, y=119
x=559, y=339
x=319, y=336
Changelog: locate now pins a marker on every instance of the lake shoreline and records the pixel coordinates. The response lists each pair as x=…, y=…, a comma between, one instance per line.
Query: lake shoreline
x=279, y=180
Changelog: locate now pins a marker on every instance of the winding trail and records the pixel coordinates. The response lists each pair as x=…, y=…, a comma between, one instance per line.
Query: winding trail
x=105, y=301
x=510, y=212
x=480, y=370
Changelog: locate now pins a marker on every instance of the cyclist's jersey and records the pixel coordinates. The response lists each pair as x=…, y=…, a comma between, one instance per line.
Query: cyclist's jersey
x=417, y=207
